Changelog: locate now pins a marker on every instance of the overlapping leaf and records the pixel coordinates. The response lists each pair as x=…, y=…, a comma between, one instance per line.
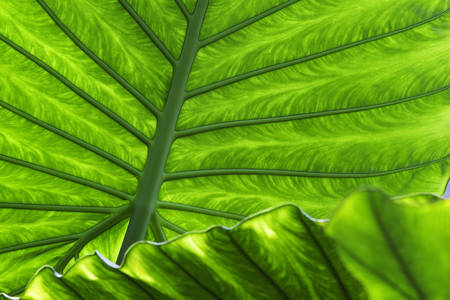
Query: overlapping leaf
x=184, y=115
x=396, y=248
x=278, y=254
x=396, y=251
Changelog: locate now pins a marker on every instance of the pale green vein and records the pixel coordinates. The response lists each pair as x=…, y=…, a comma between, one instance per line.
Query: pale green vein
x=127, y=126
x=245, y=171
x=60, y=208
x=122, y=81
x=201, y=210
x=148, y=31
x=184, y=9
x=49, y=241
x=68, y=177
x=325, y=257
x=245, y=23
x=91, y=234
x=237, y=123
x=243, y=76
x=169, y=225
x=255, y=265
x=393, y=248
x=117, y=161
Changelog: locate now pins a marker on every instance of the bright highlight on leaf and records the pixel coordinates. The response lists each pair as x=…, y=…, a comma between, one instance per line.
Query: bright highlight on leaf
x=396, y=248
x=288, y=258
x=129, y=120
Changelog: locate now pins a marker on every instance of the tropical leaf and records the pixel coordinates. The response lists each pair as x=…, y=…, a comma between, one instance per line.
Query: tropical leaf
x=396, y=247
x=115, y=115
x=396, y=251
x=277, y=254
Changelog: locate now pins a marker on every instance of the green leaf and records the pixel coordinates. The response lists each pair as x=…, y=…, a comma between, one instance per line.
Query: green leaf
x=120, y=116
x=277, y=254
x=397, y=249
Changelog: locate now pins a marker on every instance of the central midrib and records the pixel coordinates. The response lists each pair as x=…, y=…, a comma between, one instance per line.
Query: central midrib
x=144, y=203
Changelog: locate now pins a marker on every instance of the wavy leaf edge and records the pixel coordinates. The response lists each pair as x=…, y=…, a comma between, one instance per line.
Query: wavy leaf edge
x=429, y=199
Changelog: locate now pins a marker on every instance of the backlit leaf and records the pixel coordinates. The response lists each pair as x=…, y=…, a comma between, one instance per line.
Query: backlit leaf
x=397, y=249
x=120, y=116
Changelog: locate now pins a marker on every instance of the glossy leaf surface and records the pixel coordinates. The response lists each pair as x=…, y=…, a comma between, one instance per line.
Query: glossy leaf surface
x=119, y=116
x=278, y=254
x=398, y=250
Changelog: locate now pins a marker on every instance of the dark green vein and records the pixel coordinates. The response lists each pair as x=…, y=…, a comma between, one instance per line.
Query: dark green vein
x=256, y=266
x=134, y=282
x=200, y=210
x=169, y=225
x=324, y=255
x=194, y=278
x=62, y=208
x=117, y=161
x=156, y=228
x=148, y=31
x=68, y=177
x=126, y=278
x=122, y=81
x=243, y=76
x=245, y=171
x=393, y=249
x=127, y=126
x=16, y=292
x=237, y=123
x=184, y=9
x=375, y=272
x=91, y=234
x=49, y=241
x=73, y=290
x=245, y=23
x=153, y=174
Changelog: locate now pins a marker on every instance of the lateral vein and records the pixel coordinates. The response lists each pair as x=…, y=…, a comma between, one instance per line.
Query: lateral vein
x=201, y=210
x=247, y=22
x=156, y=228
x=243, y=76
x=392, y=248
x=122, y=81
x=184, y=10
x=148, y=31
x=376, y=273
x=188, y=274
x=87, y=236
x=117, y=161
x=59, y=208
x=169, y=225
x=237, y=123
x=325, y=257
x=45, y=242
x=274, y=172
x=127, y=126
x=256, y=266
x=66, y=176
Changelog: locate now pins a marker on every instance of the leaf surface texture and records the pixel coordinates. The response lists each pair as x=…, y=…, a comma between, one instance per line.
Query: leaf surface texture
x=130, y=120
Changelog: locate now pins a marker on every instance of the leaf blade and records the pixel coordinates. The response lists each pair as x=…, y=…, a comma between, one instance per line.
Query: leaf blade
x=186, y=273
x=406, y=254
